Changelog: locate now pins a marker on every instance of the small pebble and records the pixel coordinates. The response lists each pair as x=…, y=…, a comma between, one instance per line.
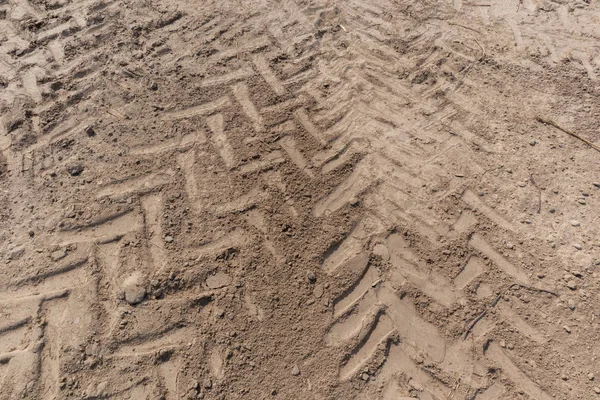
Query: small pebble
x=295, y=370
x=582, y=202
x=311, y=276
x=571, y=304
x=566, y=328
x=577, y=246
x=169, y=239
x=597, y=184
x=572, y=285
x=575, y=223
x=74, y=169
x=364, y=377
x=591, y=376
x=597, y=390
x=533, y=142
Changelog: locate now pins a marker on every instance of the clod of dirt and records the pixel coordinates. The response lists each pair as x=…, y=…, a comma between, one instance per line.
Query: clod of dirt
x=16, y=253
x=318, y=291
x=133, y=289
x=572, y=285
x=218, y=280
x=58, y=255
x=74, y=169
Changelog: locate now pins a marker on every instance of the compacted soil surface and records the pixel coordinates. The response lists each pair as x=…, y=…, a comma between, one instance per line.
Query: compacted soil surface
x=299, y=199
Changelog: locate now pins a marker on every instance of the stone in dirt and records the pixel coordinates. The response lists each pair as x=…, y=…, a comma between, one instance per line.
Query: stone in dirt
x=74, y=169
x=133, y=289
x=295, y=370
x=218, y=280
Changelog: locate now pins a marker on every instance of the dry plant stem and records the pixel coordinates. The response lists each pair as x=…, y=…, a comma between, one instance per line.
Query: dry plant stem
x=568, y=132
x=497, y=299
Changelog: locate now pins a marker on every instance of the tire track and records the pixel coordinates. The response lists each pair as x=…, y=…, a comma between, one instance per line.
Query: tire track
x=371, y=313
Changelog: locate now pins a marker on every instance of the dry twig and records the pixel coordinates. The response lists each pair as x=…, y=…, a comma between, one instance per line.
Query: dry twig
x=568, y=132
x=497, y=299
x=539, y=208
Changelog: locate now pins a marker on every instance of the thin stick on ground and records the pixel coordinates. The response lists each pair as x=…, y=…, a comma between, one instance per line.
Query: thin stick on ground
x=539, y=192
x=480, y=316
x=497, y=299
x=482, y=50
x=568, y=132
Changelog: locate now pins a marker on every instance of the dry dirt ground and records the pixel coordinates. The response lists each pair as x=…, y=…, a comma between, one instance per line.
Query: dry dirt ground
x=360, y=199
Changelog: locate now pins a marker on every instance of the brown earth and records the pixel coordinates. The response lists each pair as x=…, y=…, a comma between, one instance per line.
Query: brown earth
x=380, y=199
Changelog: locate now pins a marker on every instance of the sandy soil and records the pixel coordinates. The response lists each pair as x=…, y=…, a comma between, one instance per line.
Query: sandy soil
x=361, y=199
